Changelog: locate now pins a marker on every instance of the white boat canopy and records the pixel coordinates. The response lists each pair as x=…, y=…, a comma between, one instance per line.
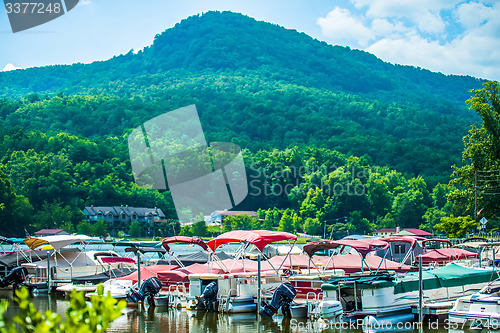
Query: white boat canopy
x=56, y=241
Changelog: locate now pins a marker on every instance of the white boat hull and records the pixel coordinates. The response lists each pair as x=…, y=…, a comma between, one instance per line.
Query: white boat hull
x=331, y=310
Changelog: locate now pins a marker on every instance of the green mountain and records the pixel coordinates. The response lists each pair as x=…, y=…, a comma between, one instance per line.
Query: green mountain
x=261, y=86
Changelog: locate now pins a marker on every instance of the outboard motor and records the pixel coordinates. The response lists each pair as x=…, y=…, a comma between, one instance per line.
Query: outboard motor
x=209, y=296
x=282, y=298
x=16, y=277
x=149, y=288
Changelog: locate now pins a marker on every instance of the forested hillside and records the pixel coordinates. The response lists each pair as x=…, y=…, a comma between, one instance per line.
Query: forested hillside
x=288, y=100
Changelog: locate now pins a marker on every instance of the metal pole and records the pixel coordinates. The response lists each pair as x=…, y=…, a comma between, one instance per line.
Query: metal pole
x=480, y=252
x=138, y=269
x=49, y=280
x=493, y=249
x=420, y=292
x=259, y=284
x=475, y=195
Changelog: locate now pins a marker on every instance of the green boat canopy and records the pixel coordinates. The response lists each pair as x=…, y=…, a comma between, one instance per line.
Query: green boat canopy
x=451, y=275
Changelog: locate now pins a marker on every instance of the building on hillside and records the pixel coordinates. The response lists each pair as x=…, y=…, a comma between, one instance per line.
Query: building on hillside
x=51, y=232
x=123, y=214
x=218, y=216
x=387, y=232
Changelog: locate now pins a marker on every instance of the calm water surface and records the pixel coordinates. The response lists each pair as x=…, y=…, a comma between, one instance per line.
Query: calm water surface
x=136, y=320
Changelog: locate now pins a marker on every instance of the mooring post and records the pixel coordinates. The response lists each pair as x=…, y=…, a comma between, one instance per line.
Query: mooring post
x=138, y=269
x=259, y=283
x=420, y=292
x=49, y=275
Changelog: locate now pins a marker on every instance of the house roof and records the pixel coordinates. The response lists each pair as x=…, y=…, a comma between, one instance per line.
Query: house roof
x=127, y=210
x=416, y=231
x=235, y=212
x=413, y=231
x=49, y=232
x=386, y=230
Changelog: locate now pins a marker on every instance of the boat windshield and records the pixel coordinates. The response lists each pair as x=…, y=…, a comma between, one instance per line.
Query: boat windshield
x=492, y=288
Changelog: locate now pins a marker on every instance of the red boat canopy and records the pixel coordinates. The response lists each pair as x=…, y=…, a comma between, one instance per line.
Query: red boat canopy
x=112, y=260
x=247, y=266
x=259, y=238
x=352, y=263
x=147, y=272
x=184, y=239
x=442, y=256
x=297, y=260
x=200, y=269
x=401, y=239
x=363, y=246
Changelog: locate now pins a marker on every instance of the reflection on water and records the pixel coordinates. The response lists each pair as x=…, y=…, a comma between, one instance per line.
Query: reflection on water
x=138, y=320
x=171, y=320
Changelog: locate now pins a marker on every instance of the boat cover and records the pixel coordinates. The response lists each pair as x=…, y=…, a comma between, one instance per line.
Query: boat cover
x=14, y=259
x=259, y=238
x=147, y=272
x=247, y=266
x=446, y=255
x=6, y=240
x=56, y=241
x=201, y=269
x=174, y=276
x=112, y=260
x=200, y=257
x=450, y=275
x=300, y=260
x=99, y=278
x=363, y=246
x=353, y=263
x=184, y=239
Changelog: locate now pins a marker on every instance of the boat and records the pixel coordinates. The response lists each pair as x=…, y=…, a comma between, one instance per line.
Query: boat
x=64, y=262
x=172, y=273
x=14, y=256
x=443, y=255
x=117, y=267
x=385, y=296
x=360, y=257
x=479, y=310
x=239, y=285
x=403, y=249
x=487, y=252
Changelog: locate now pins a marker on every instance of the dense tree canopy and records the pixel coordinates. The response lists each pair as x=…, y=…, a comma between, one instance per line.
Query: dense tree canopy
x=334, y=140
x=480, y=177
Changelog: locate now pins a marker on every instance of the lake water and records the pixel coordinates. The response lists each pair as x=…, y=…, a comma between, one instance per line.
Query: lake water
x=137, y=320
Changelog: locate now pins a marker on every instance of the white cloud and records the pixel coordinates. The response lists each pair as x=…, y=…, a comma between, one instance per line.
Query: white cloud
x=382, y=27
x=341, y=26
x=473, y=15
x=423, y=13
x=84, y=2
x=406, y=8
x=447, y=36
x=10, y=67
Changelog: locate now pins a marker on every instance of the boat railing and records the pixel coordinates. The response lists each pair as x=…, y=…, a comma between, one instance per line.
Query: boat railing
x=175, y=295
x=355, y=296
x=312, y=304
x=224, y=301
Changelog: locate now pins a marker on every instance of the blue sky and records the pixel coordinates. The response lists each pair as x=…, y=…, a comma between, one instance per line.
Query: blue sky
x=448, y=36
